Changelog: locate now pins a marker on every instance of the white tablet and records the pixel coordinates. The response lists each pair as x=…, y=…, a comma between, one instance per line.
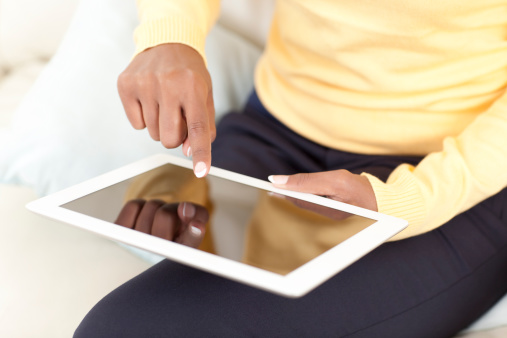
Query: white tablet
x=281, y=241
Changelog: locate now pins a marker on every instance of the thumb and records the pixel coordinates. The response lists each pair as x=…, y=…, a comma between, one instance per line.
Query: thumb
x=313, y=183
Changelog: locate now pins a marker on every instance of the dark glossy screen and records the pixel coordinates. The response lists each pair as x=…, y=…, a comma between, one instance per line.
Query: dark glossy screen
x=237, y=221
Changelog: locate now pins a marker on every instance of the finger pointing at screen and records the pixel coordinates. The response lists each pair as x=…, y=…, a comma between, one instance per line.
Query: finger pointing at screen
x=167, y=89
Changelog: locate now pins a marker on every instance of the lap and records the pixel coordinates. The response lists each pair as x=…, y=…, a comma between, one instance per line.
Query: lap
x=254, y=143
x=426, y=286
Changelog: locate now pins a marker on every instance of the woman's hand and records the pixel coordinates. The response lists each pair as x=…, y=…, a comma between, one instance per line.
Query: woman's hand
x=183, y=223
x=340, y=185
x=168, y=89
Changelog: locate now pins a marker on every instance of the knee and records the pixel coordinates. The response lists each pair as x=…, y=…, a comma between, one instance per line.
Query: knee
x=94, y=324
x=111, y=317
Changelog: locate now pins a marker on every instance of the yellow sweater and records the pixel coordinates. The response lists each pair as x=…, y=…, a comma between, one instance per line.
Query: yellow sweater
x=381, y=77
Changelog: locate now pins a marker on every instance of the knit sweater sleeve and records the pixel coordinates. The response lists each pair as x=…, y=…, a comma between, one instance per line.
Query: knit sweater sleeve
x=175, y=21
x=470, y=168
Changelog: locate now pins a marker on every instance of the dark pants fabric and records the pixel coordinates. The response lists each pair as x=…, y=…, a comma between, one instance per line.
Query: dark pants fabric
x=432, y=285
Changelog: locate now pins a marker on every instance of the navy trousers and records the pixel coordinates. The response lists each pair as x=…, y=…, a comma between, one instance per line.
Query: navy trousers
x=432, y=285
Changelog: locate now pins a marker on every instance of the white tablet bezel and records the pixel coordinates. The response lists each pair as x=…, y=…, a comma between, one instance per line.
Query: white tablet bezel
x=294, y=284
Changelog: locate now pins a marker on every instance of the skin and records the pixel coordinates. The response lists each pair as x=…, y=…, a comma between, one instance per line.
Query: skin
x=183, y=223
x=340, y=185
x=167, y=89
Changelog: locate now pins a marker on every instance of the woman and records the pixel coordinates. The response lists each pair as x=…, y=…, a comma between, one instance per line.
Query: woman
x=395, y=106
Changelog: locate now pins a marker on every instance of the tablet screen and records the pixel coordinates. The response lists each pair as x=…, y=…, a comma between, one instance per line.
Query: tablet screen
x=247, y=224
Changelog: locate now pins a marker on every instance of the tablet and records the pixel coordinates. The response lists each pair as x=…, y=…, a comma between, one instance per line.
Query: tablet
x=277, y=240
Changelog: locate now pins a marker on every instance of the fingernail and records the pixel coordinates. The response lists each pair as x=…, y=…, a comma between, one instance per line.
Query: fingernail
x=200, y=169
x=188, y=210
x=195, y=231
x=189, y=151
x=278, y=179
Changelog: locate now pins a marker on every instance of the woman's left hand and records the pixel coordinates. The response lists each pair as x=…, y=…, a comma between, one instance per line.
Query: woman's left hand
x=340, y=185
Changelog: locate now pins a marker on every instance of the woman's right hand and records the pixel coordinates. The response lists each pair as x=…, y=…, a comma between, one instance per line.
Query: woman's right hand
x=168, y=89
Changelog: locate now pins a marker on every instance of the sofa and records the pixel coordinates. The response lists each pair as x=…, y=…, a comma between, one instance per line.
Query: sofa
x=61, y=122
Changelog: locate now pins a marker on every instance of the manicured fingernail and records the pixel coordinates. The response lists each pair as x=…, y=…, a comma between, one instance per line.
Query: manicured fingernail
x=188, y=210
x=200, y=169
x=195, y=231
x=189, y=151
x=278, y=179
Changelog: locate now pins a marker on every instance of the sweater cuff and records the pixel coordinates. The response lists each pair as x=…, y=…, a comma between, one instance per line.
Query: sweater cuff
x=400, y=197
x=175, y=29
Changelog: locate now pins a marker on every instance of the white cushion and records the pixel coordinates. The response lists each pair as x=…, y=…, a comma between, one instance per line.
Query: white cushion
x=32, y=29
x=52, y=274
x=14, y=87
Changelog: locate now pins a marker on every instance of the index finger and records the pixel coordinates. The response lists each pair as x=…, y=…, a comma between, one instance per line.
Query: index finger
x=198, y=126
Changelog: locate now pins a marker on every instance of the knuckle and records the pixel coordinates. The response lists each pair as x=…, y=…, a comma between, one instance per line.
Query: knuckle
x=134, y=205
x=136, y=202
x=163, y=77
x=195, y=81
x=343, y=172
x=189, y=74
x=169, y=144
x=124, y=77
x=155, y=203
x=170, y=141
x=341, y=179
x=196, y=128
x=168, y=212
x=135, y=119
x=302, y=179
x=199, y=152
x=138, y=125
x=213, y=135
x=142, y=80
x=124, y=82
x=161, y=74
x=340, y=186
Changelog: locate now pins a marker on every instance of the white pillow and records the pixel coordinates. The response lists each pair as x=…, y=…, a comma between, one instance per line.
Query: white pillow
x=71, y=125
x=14, y=87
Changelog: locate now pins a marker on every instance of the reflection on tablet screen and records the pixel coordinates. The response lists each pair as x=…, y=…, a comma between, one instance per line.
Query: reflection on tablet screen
x=273, y=232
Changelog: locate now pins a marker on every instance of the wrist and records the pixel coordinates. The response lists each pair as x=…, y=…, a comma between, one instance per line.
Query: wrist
x=167, y=30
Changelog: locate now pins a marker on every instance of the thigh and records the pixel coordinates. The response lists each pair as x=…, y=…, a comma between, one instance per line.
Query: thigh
x=431, y=285
x=254, y=143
